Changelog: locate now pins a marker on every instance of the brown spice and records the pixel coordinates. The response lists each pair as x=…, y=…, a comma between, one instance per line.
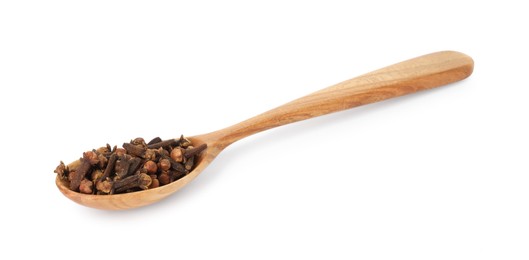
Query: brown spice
x=110, y=166
x=136, y=166
x=141, y=181
x=177, y=155
x=96, y=174
x=122, y=166
x=151, y=167
x=192, y=151
x=175, y=175
x=164, y=164
x=166, y=143
x=89, y=158
x=86, y=186
x=154, y=141
x=164, y=178
x=150, y=154
x=104, y=187
x=120, y=151
x=136, y=150
x=61, y=170
x=155, y=183
x=189, y=163
x=139, y=141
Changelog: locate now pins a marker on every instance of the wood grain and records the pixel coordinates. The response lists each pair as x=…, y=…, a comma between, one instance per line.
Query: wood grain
x=403, y=78
x=425, y=72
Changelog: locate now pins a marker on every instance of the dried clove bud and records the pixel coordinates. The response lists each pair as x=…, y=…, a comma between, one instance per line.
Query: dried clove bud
x=86, y=186
x=110, y=166
x=104, y=186
x=104, y=150
x=89, y=159
x=71, y=175
x=150, y=154
x=164, y=178
x=136, y=166
x=178, y=167
x=141, y=181
x=136, y=150
x=184, y=142
x=189, y=163
x=164, y=164
x=166, y=143
x=96, y=174
x=122, y=166
x=162, y=152
x=154, y=140
x=175, y=175
x=151, y=167
x=177, y=155
x=102, y=160
x=62, y=171
x=120, y=151
x=192, y=151
x=155, y=182
x=139, y=141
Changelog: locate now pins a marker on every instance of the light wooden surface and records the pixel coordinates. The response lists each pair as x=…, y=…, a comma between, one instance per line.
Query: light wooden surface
x=403, y=78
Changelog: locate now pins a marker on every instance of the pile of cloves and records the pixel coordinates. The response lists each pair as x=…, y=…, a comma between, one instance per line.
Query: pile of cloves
x=136, y=166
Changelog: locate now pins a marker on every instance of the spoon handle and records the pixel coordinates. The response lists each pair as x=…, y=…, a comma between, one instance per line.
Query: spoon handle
x=424, y=72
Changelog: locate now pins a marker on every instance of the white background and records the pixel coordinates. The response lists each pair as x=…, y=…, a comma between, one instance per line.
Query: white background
x=442, y=174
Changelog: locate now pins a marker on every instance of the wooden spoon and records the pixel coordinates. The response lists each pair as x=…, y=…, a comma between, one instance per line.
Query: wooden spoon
x=410, y=76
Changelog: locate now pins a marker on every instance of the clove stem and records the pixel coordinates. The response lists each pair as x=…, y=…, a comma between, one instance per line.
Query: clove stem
x=195, y=150
x=157, y=145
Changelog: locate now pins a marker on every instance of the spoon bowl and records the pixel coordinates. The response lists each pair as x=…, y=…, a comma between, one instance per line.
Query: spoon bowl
x=421, y=73
x=138, y=198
